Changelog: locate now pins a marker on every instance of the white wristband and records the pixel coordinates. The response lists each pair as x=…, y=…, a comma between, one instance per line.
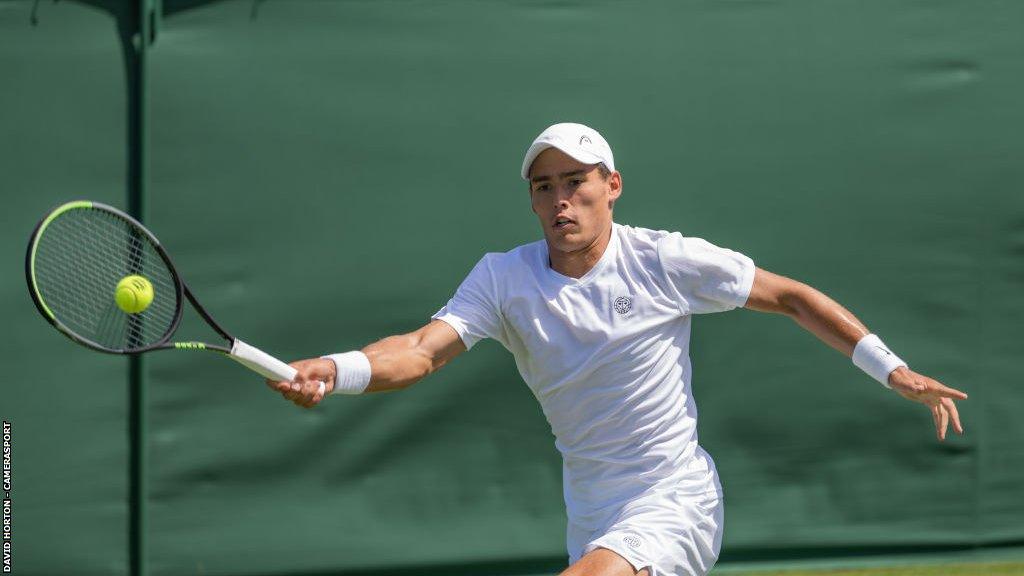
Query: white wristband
x=874, y=357
x=352, y=372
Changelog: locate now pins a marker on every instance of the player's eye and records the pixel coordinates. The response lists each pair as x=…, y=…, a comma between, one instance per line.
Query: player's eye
x=542, y=187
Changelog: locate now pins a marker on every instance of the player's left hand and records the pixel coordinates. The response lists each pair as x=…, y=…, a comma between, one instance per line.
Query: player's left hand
x=933, y=394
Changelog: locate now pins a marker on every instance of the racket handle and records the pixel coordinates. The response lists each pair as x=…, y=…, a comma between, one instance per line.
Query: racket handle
x=264, y=364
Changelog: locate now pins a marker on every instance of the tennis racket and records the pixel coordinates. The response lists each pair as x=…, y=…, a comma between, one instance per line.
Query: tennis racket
x=102, y=279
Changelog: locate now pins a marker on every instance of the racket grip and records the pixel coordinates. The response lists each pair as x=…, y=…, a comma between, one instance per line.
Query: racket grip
x=264, y=364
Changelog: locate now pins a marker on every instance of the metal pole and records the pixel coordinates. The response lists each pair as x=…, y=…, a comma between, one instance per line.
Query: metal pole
x=138, y=174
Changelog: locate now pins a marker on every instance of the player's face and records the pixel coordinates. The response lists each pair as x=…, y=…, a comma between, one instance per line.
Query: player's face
x=571, y=199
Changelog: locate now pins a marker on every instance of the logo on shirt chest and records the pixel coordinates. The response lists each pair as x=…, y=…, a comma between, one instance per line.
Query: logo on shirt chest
x=623, y=304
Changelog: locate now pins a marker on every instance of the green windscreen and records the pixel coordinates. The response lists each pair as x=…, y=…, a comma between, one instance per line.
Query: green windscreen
x=325, y=173
x=62, y=138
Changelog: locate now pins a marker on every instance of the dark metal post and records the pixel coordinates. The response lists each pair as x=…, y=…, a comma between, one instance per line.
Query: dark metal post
x=138, y=37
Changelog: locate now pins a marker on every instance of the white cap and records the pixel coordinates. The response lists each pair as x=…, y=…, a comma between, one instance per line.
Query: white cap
x=581, y=142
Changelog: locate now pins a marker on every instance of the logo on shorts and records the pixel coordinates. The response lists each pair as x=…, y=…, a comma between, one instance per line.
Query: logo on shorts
x=632, y=541
x=622, y=304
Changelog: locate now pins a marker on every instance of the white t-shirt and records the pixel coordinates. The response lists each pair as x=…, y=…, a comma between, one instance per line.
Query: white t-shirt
x=607, y=356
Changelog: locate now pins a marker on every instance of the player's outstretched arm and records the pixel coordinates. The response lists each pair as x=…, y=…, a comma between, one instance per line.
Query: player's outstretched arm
x=395, y=362
x=840, y=329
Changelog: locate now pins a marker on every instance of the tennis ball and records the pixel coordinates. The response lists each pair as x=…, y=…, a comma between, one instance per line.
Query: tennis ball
x=133, y=294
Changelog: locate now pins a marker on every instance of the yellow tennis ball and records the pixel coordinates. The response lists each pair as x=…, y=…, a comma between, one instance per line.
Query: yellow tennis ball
x=133, y=294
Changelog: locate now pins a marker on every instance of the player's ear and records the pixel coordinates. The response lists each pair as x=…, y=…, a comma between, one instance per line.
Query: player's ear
x=614, y=187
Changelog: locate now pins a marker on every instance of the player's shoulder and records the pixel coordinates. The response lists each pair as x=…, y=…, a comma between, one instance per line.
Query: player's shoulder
x=670, y=250
x=512, y=260
x=645, y=242
x=640, y=235
x=662, y=241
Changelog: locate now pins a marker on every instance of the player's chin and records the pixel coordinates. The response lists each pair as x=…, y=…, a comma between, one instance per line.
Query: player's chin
x=564, y=240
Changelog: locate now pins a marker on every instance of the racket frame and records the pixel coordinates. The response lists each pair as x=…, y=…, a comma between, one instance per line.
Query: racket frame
x=249, y=356
x=182, y=290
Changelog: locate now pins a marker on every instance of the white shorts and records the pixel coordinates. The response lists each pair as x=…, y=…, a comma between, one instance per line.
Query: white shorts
x=671, y=535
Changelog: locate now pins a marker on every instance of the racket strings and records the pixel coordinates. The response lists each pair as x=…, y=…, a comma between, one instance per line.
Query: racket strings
x=126, y=252
x=65, y=284
x=73, y=285
x=150, y=325
x=80, y=258
x=59, y=283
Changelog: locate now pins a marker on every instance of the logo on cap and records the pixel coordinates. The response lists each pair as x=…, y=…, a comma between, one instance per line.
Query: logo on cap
x=586, y=139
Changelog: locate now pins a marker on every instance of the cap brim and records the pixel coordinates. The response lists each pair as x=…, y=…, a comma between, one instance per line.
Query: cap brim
x=537, y=147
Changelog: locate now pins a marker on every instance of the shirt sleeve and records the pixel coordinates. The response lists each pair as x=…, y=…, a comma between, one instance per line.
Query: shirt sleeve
x=474, y=311
x=703, y=277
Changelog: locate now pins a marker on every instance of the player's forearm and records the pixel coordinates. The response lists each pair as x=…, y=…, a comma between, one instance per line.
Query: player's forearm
x=398, y=362
x=824, y=317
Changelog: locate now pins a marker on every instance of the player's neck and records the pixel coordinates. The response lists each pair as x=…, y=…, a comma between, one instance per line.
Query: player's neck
x=577, y=263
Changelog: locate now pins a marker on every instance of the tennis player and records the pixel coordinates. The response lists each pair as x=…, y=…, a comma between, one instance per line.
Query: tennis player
x=597, y=315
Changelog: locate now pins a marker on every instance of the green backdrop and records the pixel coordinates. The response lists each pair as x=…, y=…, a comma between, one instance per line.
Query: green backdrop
x=325, y=173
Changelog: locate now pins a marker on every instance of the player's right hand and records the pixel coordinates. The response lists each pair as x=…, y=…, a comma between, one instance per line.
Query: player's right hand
x=304, y=391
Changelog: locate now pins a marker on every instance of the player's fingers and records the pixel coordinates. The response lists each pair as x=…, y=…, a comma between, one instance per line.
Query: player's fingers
x=306, y=389
x=948, y=392
x=309, y=393
x=308, y=402
x=937, y=420
x=954, y=415
x=311, y=402
x=944, y=415
x=304, y=396
x=300, y=397
x=277, y=385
